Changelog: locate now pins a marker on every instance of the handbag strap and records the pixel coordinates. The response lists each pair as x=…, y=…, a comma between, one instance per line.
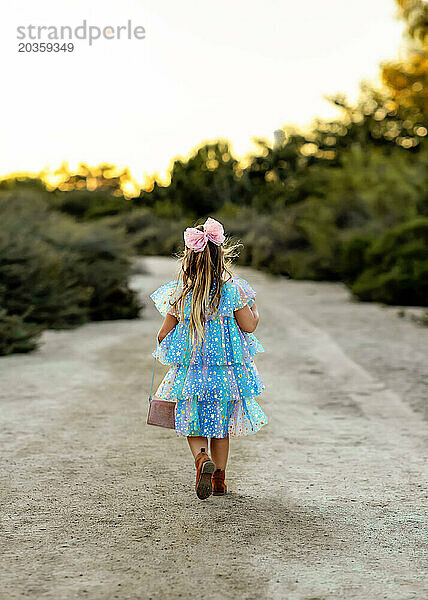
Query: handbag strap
x=153, y=371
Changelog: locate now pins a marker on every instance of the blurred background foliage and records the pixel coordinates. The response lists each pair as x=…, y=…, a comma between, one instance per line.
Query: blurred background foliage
x=55, y=272
x=346, y=200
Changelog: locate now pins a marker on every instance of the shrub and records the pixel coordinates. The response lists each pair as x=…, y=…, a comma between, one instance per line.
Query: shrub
x=16, y=335
x=56, y=273
x=151, y=234
x=396, y=269
x=352, y=257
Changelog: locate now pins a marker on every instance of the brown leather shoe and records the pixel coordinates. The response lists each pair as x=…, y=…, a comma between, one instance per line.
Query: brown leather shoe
x=219, y=485
x=204, y=470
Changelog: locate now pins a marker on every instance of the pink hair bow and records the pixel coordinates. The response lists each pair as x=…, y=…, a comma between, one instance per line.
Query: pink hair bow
x=197, y=239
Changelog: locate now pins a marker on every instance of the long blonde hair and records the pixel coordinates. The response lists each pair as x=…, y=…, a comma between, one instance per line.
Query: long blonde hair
x=202, y=274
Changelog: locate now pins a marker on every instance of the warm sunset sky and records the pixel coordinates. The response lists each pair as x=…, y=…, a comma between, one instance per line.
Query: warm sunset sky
x=237, y=69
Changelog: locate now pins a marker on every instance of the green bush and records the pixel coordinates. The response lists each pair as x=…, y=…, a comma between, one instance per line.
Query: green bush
x=34, y=273
x=396, y=267
x=85, y=205
x=352, y=257
x=16, y=335
x=291, y=242
x=56, y=273
x=152, y=234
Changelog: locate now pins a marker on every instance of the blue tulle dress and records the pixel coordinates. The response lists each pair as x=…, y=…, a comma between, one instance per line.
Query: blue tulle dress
x=214, y=383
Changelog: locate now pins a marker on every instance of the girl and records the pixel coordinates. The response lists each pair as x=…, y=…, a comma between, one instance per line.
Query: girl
x=207, y=339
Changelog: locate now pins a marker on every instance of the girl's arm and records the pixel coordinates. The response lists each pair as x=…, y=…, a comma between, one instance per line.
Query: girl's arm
x=247, y=318
x=168, y=325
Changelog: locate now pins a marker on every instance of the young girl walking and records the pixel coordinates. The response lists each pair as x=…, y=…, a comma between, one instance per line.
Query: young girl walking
x=207, y=339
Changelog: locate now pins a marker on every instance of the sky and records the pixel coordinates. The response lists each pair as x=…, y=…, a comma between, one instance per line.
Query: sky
x=236, y=69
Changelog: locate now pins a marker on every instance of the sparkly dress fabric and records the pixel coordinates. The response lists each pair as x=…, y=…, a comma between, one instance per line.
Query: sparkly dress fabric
x=215, y=382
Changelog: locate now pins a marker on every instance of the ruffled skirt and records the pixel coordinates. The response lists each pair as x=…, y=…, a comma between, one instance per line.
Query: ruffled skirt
x=214, y=400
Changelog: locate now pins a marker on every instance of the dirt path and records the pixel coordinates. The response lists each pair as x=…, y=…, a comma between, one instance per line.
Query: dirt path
x=326, y=502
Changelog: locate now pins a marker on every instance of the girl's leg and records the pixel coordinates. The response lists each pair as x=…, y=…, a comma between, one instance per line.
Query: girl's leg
x=204, y=466
x=220, y=452
x=196, y=443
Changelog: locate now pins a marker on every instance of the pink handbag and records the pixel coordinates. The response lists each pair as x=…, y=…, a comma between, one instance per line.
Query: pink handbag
x=161, y=413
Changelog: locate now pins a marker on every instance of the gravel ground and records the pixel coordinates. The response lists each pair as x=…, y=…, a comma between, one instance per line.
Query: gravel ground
x=326, y=502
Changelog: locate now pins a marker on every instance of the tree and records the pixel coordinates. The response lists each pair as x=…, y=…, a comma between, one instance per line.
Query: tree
x=199, y=185
x=408, y=79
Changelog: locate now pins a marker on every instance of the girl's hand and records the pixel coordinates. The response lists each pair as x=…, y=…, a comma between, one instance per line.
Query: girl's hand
x=247, y=318
x=168, y=325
